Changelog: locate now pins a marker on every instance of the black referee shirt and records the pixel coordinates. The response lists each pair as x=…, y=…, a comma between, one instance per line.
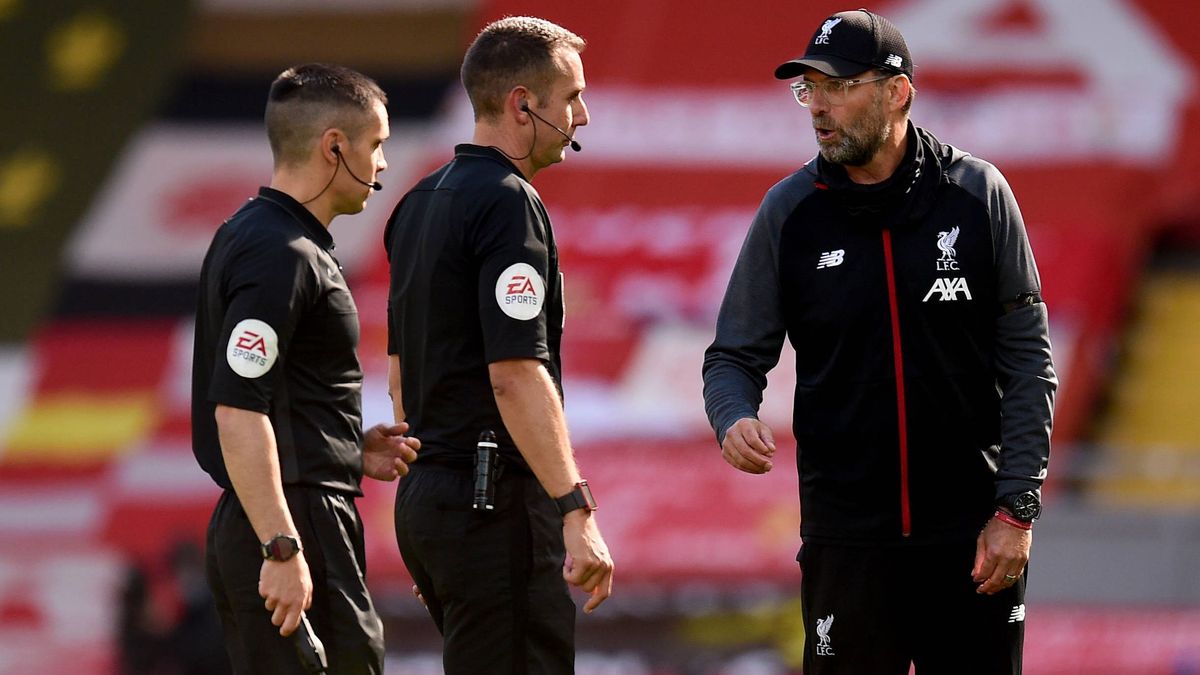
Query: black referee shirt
x=277, y=333
x=474, y=280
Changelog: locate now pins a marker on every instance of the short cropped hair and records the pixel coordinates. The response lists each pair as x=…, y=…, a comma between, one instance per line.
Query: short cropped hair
x=516, y=50
x=306, y=100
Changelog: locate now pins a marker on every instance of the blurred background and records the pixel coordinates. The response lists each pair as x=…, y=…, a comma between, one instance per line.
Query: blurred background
x=132, y=128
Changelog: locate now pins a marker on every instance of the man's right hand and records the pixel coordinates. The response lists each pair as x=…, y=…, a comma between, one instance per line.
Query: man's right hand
x=749, y=446
x=287, y=588
x=588, y=564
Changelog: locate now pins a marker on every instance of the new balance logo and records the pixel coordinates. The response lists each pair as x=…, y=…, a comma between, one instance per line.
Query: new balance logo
x=949, y=289
x=1018, y=614
x=831, y=258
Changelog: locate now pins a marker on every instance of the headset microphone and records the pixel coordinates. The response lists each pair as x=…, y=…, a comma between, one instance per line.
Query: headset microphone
x=376, y=186
x=574, y=143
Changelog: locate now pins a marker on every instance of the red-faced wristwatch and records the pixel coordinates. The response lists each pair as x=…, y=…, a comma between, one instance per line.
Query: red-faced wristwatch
x=579, y=498
x=281, y=547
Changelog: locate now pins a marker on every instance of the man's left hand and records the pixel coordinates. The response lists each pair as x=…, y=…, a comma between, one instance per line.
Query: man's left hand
x=387, y=452
x=1001, y=552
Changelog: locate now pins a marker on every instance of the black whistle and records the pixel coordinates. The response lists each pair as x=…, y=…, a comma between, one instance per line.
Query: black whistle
x=485, y=472
x=309, y=648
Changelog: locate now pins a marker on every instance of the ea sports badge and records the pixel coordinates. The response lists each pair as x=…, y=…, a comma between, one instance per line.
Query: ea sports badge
x=520, y=291
x=253, y=348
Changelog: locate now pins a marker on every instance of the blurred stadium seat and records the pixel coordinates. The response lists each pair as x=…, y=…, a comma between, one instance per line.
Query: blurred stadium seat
x=1151, y=436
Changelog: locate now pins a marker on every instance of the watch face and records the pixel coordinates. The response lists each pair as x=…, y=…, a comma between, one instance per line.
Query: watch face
x=1026, y=506
x=282, y=548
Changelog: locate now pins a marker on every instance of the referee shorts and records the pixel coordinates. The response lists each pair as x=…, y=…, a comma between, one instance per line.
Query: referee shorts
x=877, y=609
x=342, y=614
x=492, y=579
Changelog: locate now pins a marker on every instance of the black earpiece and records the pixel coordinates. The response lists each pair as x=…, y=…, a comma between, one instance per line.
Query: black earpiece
x=376, y=186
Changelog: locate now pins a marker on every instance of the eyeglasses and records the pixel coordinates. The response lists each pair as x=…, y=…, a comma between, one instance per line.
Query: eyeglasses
x=834, y=91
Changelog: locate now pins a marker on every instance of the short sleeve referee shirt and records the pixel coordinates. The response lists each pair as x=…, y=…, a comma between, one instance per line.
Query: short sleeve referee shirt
x=474, y=280
x=277, y=333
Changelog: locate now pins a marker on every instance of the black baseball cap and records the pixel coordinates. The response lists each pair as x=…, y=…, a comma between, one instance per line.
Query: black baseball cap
x=849, y=43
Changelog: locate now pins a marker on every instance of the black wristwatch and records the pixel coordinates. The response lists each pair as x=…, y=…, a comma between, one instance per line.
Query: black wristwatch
x=281, y=547
x=1025, y=506
x=579, y=498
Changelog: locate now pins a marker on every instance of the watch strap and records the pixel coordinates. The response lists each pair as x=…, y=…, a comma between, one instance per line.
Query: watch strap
x=578, y=498
x=1005, y=517
x=1025, y=506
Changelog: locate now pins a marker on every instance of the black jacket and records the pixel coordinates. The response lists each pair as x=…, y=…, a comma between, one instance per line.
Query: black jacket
x=924, y=386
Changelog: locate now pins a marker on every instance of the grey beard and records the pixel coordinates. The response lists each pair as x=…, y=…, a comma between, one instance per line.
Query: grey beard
x=861, y=141
x=856, y=150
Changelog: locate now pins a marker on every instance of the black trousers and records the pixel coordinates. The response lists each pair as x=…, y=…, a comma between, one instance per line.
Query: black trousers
x=875, y=610
x=492, y=579
x=342, y=614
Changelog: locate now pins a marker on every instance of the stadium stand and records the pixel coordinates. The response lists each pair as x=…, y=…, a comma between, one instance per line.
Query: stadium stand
x=1150, y=439
x=1093, y=116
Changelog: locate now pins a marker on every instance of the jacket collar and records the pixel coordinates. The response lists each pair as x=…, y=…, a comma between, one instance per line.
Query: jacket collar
x=905, y=197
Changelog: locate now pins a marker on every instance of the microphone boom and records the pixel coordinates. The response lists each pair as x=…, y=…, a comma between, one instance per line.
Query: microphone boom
x=574, y=143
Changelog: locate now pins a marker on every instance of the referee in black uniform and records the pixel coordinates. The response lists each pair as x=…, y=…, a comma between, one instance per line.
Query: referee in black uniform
x=475, y=323
x=276, y=388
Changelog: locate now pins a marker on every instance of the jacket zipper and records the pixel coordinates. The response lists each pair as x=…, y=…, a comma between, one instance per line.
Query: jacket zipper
x=898, y=357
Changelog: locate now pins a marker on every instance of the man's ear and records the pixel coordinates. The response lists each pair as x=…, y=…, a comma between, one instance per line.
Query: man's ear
x=332, y=143
x=899, y=89
x=518, y=100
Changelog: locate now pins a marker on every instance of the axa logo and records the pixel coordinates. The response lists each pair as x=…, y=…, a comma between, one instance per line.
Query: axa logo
x=823, y=38
x=831, y=258
x=945, y=244
x=1018, y=614
x=949, y=289
x=824, y=645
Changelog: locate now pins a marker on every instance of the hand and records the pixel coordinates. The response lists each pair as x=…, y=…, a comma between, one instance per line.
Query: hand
x=588, y=564
x=287, y=588
x=749, y=446
x=387, y=452
x=1000, y=550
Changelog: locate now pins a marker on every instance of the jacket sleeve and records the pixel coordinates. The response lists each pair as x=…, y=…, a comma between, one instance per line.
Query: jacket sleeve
x=1024, y=370
x=750, y=325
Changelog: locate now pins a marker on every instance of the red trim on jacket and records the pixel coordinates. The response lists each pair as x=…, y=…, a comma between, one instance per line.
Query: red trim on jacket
x=898, y=356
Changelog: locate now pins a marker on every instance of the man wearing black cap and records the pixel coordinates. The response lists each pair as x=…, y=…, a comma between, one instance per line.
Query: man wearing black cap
x=899, y=269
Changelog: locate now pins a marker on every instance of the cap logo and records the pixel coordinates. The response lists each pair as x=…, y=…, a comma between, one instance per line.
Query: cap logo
x=520, y=291
x=823, y=38
x=894, y=61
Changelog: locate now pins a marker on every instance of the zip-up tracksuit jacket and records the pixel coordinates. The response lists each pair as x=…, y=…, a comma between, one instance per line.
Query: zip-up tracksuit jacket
x=924, y=385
